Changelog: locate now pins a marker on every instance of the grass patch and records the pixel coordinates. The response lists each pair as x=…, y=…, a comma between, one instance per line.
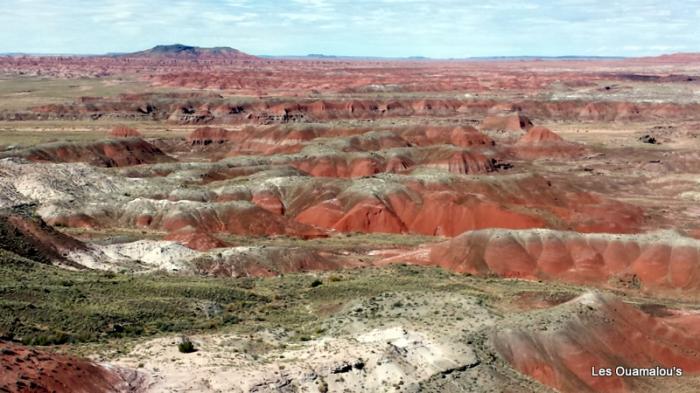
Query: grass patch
x=42, y=304
x=342, y=241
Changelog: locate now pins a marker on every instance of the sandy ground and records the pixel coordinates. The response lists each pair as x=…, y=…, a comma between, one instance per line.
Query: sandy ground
x=356, y=355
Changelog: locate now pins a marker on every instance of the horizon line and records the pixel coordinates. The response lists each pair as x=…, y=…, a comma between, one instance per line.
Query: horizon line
x=316, y=55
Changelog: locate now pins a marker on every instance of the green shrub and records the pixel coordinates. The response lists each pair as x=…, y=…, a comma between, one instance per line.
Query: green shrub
x=186, y=346
x=315, y=283
x=230, y=319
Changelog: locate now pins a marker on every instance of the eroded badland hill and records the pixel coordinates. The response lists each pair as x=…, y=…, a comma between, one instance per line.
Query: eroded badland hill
x=335, y=225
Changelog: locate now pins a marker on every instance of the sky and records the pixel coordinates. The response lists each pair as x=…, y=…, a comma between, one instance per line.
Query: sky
x=386, y=28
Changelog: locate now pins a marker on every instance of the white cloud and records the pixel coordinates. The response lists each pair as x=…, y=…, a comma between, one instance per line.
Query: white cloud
x=305, y=17
x=229, y=18
x=444, y=28
x=313, y=3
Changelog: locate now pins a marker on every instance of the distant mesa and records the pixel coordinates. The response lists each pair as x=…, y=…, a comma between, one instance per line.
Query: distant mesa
x=180, y=51
x=321, y=56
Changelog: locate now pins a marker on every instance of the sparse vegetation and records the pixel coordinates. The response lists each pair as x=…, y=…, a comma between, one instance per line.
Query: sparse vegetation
x=322, y=386
x=43, y=305
x=46, y=305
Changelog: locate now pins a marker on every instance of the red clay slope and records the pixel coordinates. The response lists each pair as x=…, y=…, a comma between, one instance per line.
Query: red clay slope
x=429, y=212
x=452, y=210
x=541, y=142
x=240, y=218
x=539, y=134
x=655, y=261
x=209, y=135
x=601, y=331
x=447, y=158
x=122, y=131
x=278, y=139
x=108, y=153
x=509, y=122
x=196, y=239
x=463, y=136
x=34, y=371
x=30, y=237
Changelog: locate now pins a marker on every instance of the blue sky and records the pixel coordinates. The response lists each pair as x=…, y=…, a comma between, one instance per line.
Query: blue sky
x=392, y=28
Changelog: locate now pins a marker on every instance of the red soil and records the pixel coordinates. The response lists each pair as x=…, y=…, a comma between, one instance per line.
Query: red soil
x=341, y=166
x=381, y=203
x=538, y=134
x=31, y=237
x=464, y=162
x=358, y=165
x=443, y=213
x=274, y=139
x=374, y=141
x=277, y=140
x=196, y=239
x=304, y=111
x=449, y=210
x=233, y=218
x=458, y=136
x=30, y=370
x=209, y=135
x=510, y=122
x=269, y=202
x=541, y=142
x=234, y=71
x=205, y=110
x=651, y=262
x=122, y=131
x=695, y=233
x=109, y=153
x=602, y=332
x=367, y=216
